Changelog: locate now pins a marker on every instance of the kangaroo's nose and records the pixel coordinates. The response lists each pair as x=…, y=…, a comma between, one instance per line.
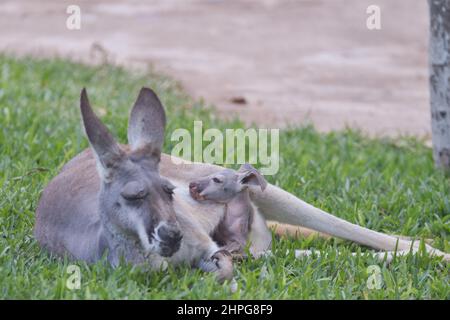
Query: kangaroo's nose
x=171, y=238
x=192, y=185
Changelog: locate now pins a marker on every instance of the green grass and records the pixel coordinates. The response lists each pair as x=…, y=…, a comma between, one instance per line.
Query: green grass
x=386, y=185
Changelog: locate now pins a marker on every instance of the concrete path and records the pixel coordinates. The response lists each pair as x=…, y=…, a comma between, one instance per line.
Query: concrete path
x=272, y=62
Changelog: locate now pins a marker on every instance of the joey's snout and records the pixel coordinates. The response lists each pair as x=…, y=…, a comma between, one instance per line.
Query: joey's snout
x=195, y=189
x=167, y=238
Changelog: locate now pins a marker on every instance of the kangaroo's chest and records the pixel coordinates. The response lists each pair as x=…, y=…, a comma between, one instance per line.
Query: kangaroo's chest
x=206, y=213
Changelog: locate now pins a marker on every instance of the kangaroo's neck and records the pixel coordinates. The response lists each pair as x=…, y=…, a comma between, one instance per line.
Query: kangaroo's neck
x=240, y=204
x=119, y=245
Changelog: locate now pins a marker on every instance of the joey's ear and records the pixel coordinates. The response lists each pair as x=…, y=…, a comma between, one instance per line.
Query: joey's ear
x=147, y=123
x=107, y=152
x=247, y=175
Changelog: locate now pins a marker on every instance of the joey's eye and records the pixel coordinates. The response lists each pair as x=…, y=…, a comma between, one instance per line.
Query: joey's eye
x=217, y=180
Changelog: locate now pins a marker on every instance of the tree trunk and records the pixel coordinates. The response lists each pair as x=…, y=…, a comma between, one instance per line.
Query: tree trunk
x=439, y=52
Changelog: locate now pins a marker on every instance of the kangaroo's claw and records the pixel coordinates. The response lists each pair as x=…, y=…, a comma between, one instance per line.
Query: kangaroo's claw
x=221, y=263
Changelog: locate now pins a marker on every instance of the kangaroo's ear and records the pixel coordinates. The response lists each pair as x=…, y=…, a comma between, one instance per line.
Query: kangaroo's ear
x=107, y=152
x=147, y=123
x=247, y=175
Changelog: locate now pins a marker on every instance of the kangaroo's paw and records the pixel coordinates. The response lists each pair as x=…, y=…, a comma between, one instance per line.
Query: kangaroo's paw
x=239, y=256
x=236, y=250
x=221, y=263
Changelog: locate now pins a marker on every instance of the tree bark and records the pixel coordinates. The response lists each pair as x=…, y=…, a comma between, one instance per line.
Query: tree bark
x=439, y=60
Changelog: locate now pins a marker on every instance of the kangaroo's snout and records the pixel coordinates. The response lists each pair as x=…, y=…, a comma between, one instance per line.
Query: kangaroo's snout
x=168, y=237
x=192, y=185
x=195, y=188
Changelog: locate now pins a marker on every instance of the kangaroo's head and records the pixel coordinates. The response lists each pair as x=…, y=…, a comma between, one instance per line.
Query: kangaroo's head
x=224, y=185
x=134, y=199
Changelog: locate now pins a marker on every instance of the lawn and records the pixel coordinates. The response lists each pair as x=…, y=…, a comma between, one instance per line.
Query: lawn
x=387, y=185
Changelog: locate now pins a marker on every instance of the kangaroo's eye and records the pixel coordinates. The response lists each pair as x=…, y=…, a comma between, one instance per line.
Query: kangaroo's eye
x=134, y=190
x=168, y=188
x=217, y=180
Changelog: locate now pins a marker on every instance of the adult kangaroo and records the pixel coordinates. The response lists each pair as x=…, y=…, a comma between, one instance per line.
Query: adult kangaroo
x=112, y=200
x=134, y=202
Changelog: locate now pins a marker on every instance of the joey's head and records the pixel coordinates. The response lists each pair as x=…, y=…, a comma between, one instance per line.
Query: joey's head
x=134, y=199
x=224, y=185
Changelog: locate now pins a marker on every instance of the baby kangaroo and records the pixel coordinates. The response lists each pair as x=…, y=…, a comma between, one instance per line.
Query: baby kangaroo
x=241, y=221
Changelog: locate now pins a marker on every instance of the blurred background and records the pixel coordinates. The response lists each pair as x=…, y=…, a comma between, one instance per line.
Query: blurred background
x=272, y=63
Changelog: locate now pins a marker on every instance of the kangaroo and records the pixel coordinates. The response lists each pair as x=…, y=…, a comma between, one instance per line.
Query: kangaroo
x=242, y=222
x=134, y=202
x=112, y=200
x=279, y=206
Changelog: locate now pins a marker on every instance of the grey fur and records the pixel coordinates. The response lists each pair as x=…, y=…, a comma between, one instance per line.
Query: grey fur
x=112, y=200
x=231, y=188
